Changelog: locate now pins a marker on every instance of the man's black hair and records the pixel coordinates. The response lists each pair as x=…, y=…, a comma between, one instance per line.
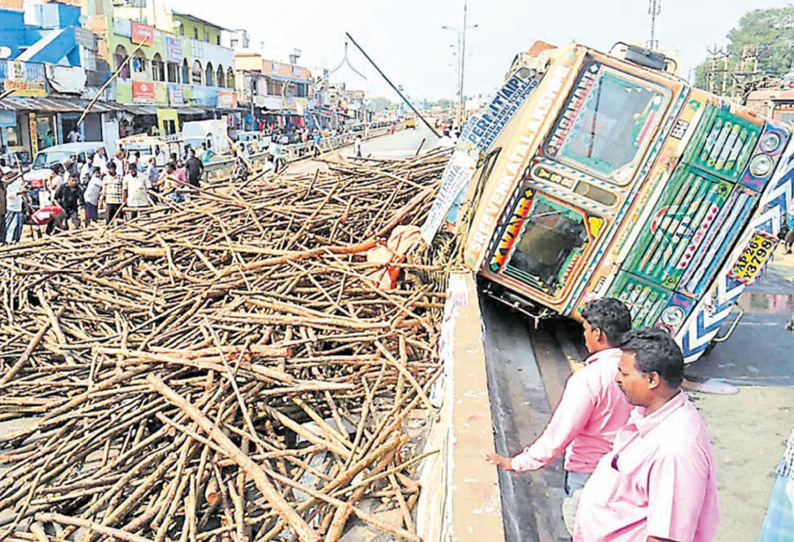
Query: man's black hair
x=655, y=351
x=609, y=315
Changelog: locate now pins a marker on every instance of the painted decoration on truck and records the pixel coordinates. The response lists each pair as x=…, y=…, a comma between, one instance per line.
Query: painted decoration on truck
x=481, y=131
x=680, y=223
x=543, y=242
x=715, y=307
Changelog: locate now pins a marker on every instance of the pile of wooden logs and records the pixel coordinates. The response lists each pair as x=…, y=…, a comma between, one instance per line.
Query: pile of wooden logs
x=222, y=369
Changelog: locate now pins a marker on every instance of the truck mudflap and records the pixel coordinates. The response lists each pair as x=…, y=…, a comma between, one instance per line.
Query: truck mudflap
x=705, y=322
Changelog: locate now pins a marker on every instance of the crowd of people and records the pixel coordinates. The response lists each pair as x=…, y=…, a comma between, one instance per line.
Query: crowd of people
x=638, y=460
x=77, y=194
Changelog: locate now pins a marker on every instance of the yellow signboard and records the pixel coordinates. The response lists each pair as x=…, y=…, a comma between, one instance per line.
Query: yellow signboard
x=25, y=88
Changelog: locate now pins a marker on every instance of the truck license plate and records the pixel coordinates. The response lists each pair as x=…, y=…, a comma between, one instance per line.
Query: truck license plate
x=752, y=263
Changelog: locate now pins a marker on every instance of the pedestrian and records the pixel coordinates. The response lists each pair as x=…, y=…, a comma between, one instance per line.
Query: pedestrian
x=205, y=155
x=74, y=136
x=592, y=408
x=658, y=482
x=119, y=161
x=14, y=218
x=186, y=153
x=87, y=170
x=317, y=140
x=70, y=197
x=170, y=184
x=136, y=196
x=789, y=238
x=152, y=174
x=112, y=193
x=5, y=179
x=357, y=146
x=100, y=160
x=4, y=164
x=93, y=193
x=194, y=168
x=56, y=180
x=47, y=140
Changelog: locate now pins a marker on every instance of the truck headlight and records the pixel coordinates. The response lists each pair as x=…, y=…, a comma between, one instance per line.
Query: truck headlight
x=673, y=316
x=761, y=165
x=770, y=142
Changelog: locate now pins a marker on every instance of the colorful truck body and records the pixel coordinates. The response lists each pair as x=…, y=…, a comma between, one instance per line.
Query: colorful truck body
x=595, y=176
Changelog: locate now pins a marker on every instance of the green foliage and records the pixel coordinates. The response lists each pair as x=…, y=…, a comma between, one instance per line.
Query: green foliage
x=767, y=33
x=771, y=33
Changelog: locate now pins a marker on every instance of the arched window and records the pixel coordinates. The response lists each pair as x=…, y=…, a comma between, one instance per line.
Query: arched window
x=185, y=72
x=139, y=64
x=221, y=82
x=158, y=68
x=197, y=73
x=120, y=56
x=209, y=75
x=230, y=78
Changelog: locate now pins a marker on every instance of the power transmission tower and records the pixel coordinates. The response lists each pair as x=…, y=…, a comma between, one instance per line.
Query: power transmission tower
x=654, y=9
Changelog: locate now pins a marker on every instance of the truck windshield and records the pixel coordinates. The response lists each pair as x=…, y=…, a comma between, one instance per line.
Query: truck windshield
x=607, y=123
x=554, y=239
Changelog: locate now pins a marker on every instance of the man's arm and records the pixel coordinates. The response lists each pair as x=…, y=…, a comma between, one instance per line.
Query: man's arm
x=572, y=414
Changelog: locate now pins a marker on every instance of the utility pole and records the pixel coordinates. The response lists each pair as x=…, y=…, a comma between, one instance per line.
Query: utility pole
x=462, y=110
x=654, y=9
x=461, y=113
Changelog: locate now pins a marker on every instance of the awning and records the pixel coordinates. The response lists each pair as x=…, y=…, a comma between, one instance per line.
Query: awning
x=189, y=110
x=140, y=109
x=55, y=105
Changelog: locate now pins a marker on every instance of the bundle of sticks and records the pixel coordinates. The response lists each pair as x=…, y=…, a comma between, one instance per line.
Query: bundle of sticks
x=223, y=369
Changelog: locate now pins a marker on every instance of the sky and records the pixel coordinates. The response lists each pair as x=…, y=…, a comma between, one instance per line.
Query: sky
x=405, y=37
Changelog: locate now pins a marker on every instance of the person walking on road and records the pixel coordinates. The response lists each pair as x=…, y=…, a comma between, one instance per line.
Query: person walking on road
x=592, y=408
x=357, y=146
x=70, y=197
x=317, y=140
x=112, y=193
x=5, y=179
x=93, y=193
x=14, y=192
x=195, y=169
x=658, y=483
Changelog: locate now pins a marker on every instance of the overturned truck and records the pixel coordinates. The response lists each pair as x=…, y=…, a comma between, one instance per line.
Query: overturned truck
x=594, y=174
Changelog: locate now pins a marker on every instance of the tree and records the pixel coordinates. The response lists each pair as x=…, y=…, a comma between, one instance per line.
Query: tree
x=765, y=34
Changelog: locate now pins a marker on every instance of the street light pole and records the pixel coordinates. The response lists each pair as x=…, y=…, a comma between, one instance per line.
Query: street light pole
x=462, y=110
x=461, y=113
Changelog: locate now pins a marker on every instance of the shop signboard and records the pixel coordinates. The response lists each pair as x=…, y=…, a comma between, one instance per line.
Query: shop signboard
x=142, y=33
x=173, y=50
x=176, y=96
x=227, y=99
x=143, y=92
x=122, y=27
x=8, y=119
x=24, y=78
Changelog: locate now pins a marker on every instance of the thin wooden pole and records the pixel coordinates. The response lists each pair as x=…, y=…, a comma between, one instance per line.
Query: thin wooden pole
x=107, y=83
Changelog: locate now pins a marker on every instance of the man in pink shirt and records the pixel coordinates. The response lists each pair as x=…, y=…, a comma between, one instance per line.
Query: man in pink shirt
x=658, y=483
x=591, y=409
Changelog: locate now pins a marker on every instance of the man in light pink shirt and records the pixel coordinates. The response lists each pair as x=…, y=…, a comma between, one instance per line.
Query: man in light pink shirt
x=658, y=483
x=592, y=408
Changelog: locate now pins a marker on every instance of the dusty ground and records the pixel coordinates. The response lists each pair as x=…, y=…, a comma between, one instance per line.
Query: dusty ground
x=749, y=430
